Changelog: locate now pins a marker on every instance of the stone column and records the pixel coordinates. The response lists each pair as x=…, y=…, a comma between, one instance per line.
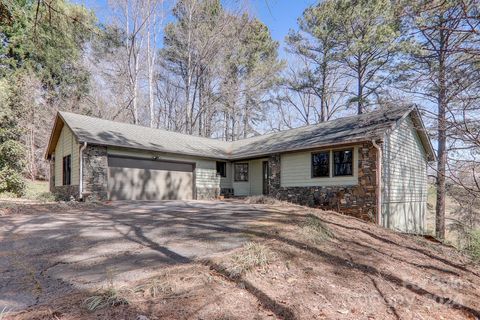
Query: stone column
x=51, y=181
x=274, y=175
x=95, y=173
x=366, y=191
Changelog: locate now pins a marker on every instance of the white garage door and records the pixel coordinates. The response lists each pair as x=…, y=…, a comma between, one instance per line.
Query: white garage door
x=145, y=179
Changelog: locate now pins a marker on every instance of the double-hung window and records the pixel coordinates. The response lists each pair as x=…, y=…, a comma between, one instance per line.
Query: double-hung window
x=343, y=163
x=241, y=172
x=321, y=164
x=338, y=162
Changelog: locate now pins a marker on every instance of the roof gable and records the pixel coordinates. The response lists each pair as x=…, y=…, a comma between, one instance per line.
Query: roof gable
x=54, y=135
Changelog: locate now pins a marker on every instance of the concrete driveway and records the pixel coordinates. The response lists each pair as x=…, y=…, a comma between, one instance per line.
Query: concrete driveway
x=46, y=255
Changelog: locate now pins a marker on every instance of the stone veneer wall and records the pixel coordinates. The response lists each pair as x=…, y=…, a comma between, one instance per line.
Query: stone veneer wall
x=208, y=193
x=66, y=193
x=95, y=173
x=51, y=182
x=358, y=200
x=63, y=193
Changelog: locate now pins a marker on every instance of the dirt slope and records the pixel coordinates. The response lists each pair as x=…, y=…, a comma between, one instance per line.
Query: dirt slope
x=311, y=264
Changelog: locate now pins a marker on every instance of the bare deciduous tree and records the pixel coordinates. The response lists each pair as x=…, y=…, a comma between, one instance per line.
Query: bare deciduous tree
x=443, y=69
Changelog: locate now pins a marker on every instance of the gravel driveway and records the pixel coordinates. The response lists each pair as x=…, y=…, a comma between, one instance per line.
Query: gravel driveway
x=46, y=255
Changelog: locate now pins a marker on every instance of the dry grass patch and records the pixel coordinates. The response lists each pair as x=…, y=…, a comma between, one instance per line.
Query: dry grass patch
x=261, y=200
x=155, y=288
x=314, y=230
x=25, y=206
x=3, y=313
x=103, y=299
x=253, y=255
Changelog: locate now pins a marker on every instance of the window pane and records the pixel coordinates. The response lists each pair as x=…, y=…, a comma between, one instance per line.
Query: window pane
x=321, y=164
x=241, y=171
x=222, y=169
x=343, y=163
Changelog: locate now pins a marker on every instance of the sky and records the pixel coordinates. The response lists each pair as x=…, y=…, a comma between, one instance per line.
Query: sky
x=279, y=15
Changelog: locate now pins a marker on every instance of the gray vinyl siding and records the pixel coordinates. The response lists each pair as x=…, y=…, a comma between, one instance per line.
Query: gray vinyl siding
x=404, y=180
x=206, y=174
x=205, y=171
x=67, y=145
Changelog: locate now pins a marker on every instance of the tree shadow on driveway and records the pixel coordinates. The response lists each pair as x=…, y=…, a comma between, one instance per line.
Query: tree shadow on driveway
x=50, y=255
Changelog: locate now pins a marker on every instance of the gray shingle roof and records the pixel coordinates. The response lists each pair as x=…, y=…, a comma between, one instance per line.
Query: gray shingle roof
x=111, y=133
x=339, y=131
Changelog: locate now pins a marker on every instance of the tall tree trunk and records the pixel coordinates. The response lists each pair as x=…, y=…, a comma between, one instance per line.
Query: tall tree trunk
x=151, y=54
x=442, y=142
x=200, y=111
x=323, y=90
x=188, y=84
x=359, y=88
x=135, y=99
x=226, y=123
x=245, y=120
x=33, y=166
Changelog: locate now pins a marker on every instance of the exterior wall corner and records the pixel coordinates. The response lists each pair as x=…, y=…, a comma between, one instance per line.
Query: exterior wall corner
x=95, y=173
x=274, y=172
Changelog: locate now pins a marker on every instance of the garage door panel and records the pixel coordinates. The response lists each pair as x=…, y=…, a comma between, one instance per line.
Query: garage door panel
x=146, y=184
x=128, y=162
x=132, y=178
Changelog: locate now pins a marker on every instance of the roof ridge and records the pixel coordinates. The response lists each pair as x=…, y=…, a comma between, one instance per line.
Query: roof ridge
x=409, y=108
x=244, y=139
x=144, y=127
x=96, y=130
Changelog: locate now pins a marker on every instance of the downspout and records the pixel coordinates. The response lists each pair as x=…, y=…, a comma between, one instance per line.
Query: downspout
x=80, y=187
x=379, y=182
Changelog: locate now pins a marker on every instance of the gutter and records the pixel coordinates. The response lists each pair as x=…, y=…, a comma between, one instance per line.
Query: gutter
x=80, y=196
x=379, y=182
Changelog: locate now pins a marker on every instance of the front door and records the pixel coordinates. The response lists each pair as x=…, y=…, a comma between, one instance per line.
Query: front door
x=265, y=177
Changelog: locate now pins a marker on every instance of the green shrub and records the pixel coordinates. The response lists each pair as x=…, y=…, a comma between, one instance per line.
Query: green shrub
x=11, y=181
x=13, y=155
x=473, y=247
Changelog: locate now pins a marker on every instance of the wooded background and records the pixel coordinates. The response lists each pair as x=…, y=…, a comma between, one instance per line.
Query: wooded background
x=209, y=68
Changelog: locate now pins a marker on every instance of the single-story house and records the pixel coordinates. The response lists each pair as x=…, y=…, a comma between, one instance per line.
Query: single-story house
x=372, y=166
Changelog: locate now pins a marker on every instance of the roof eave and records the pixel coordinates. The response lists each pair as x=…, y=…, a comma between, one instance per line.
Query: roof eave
x=96, y=143
x=422, y=133
x=54, y=136
x=311, y=147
